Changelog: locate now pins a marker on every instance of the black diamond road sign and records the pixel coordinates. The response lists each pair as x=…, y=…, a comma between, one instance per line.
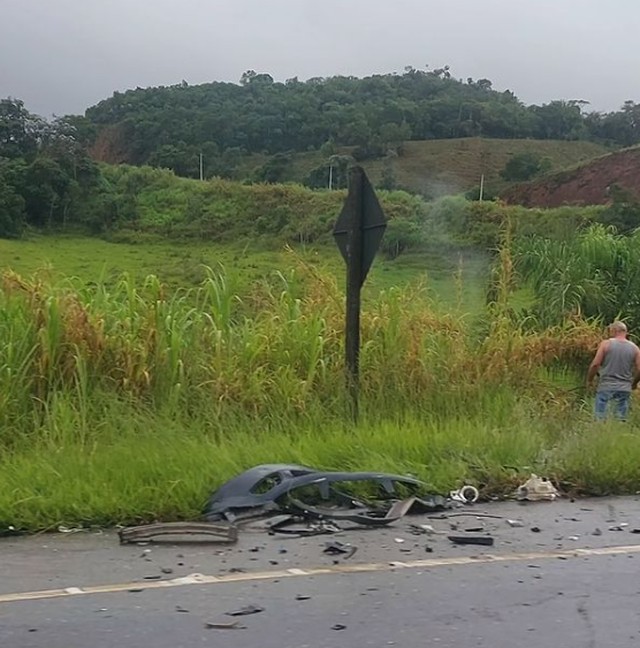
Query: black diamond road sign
x=373, y=223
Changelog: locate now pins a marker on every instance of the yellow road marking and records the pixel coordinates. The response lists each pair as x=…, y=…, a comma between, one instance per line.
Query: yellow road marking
x=354, y=568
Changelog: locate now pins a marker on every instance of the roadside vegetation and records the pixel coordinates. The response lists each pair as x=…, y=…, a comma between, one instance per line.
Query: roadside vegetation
x=127, y=403
x=200, y=331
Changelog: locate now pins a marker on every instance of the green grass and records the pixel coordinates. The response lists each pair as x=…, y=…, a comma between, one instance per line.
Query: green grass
x=135, y=466
x=454, y=276
x=128, y=398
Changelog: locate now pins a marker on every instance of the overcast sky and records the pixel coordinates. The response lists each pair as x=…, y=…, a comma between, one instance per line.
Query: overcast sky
x=62, y=56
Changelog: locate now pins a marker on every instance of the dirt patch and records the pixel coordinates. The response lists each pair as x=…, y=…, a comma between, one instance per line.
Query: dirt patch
x=589, y=184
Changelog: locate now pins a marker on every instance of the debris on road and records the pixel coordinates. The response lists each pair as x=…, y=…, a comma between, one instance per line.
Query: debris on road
x=471, y=540
x=225, y=533
x=339, y=626
x=467, y=495
x=246, y=610
x=537, y=489
x=339, y=548
x=271, y=488
x=515, y=523
x=230, y=625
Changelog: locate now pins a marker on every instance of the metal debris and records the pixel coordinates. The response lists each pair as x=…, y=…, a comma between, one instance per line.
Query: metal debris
x=212, y=532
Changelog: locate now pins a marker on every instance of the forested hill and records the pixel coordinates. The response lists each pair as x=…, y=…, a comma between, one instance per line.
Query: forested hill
x=171, y=126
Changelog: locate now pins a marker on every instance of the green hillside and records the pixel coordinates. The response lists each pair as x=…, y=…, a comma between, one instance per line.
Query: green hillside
x=435, y=168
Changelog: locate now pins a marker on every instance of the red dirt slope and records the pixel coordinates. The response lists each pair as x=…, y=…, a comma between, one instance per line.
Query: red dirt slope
x=589, y=184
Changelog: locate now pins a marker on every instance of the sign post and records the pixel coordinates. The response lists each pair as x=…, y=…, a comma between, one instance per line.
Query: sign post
x=358, y=232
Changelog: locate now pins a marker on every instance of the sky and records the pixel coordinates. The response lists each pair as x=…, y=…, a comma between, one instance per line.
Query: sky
x=62, y=56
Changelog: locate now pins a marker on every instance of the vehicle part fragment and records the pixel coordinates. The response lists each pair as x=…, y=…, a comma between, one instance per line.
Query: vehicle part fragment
x=467, y=494
x=270, y=488
x=473, y=540
x=194, y=530
x=244, y=611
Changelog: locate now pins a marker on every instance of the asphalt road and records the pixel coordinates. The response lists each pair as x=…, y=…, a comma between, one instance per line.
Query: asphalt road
x=572, y=582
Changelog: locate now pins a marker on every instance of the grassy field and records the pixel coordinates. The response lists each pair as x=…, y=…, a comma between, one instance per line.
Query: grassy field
x=129, y=397
x=455, y=276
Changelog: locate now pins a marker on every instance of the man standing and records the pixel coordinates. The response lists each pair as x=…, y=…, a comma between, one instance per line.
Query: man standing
x=617, y=364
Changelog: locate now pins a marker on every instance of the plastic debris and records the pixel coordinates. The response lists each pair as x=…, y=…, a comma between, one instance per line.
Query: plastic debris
x=537, y=489
x=515, y=523
x=247, y=609
x=474, y=540
x=467, y=494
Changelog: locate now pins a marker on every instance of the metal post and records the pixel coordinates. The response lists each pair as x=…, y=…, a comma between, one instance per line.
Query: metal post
x=354, y=283
x=201, y=168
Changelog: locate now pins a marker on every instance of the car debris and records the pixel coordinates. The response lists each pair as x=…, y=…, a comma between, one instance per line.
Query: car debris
x=339, y=548
x=304, y=500
x=225, y=533
x=246, y=610
x=276, y=488
x=221, y=625
x=467, y=494
x=471, y=540
x=515, y=523
x=537, y=489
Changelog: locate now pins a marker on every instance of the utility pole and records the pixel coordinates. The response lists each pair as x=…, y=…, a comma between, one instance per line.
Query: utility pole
x=201, y=169
x=481, y=187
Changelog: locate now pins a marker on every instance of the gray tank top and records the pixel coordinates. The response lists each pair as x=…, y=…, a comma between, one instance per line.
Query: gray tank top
x=616, y=372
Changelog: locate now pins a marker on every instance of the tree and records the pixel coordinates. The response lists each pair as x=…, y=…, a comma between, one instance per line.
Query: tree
x=20, y=131
x=524, y=166
x=12, y=212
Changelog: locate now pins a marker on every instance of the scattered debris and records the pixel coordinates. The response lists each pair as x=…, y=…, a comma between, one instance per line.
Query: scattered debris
x=179, y=608
x=212, y=532
x=618, y=527
x=398, y=540
x=635, y=530
x=574, y=537
x=535, y=529
x=269, y=488
x=597, y=532
x=537, y=489
x=339, y=626
x=244, y=611
x=302, y=597
x=475, y=540
x=64, y=529
x=467, y=495
x=515, y=523
x=420, y=529
x=230, y=625
x=339, y=548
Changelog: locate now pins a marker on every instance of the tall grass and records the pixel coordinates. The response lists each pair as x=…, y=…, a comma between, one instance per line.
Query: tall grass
x=126, y=403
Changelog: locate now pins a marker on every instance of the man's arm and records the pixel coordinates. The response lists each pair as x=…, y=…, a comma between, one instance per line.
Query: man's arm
x=636, y=377
x=596, y=363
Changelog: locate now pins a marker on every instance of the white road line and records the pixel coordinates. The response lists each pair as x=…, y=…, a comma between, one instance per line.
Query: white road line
x=354, y=568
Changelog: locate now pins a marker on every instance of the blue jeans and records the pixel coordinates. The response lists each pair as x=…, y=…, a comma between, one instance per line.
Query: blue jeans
x=620, y=398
